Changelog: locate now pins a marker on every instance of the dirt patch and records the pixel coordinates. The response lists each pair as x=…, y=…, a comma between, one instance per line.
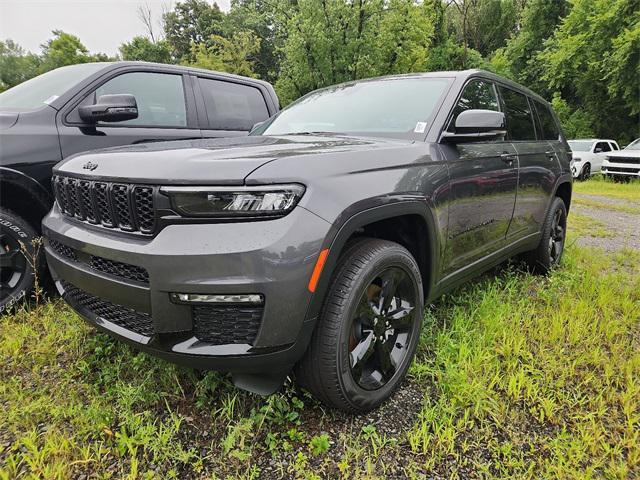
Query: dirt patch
x=623, y=227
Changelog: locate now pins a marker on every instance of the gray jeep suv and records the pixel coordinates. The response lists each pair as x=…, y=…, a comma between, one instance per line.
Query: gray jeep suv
x=313, y=243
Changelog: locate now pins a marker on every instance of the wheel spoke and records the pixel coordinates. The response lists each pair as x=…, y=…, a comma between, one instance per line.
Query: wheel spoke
x=390, y=283
x=387, y=362
x=364, y=311
x=10, y=259
x=361, y=353
x=402, y=317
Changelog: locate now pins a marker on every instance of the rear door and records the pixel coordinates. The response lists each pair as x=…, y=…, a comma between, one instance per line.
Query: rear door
x=165, y=112
x=483, y=182
x=230, y=108
x=537, y=160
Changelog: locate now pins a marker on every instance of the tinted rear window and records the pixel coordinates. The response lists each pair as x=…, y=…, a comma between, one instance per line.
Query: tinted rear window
x=549, y=126
x=232, y=106
x=518, y=114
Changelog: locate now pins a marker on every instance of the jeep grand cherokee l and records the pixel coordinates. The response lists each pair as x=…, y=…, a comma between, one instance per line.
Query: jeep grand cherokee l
x=314, y=242
x=94, y=105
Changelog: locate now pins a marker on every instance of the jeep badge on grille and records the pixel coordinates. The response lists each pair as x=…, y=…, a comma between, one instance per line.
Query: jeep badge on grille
x=90, y=166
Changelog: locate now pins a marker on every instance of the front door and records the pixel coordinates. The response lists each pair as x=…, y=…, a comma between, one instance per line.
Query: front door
x=162, y=114
x=483, y=182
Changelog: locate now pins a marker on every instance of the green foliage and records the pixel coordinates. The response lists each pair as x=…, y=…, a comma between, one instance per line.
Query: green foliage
x=64, y=49
x=191, y=22
x=319, y=444
x=593, y=59
x=142, y=48
x=16, y=66
x=576, y=123
x=233, y=55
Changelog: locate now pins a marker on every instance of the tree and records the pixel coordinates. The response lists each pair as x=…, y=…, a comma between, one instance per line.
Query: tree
x=539, y=20
x=191, y=22
x=63, y=49
x=592, y=61
x=16, y=66
x=233, y=55
x=334, y=41
x=142, y=48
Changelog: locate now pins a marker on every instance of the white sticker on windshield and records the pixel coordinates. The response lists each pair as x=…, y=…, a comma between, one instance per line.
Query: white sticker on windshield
x=50, y=99
x=420, y=127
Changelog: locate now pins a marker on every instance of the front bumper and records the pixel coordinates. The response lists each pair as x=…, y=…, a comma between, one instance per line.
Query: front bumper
x=274, y=258
x=622, y=169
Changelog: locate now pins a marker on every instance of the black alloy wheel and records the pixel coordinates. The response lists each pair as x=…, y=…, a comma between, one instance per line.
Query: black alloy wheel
x=17, y=256
x=586, y=172
x=556, y=237
x=368, y=329
x=381, y=329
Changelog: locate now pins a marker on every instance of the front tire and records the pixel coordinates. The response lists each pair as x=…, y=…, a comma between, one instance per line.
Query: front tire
x=586, y=172
x=368, y=329
x=20, y=259
x=551, y=247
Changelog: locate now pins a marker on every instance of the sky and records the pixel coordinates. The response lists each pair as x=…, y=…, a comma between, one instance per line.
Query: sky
x=102, y=25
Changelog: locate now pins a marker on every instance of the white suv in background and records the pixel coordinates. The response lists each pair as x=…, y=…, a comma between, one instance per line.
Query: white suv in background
x=588, y=155
x=623, y=164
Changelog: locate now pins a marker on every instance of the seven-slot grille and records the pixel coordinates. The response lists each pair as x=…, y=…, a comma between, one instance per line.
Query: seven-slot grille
x=113, y=205
x=631, y=160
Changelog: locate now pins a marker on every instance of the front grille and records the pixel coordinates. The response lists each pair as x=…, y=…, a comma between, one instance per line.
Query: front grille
x=63, y=250
x=113, y=205
x=629, y=160
x=622, y=170
x=119, y=269
x=223, y=325
x=122, y=316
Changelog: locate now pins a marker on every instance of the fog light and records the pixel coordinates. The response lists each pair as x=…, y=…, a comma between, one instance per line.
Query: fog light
x=252, y=298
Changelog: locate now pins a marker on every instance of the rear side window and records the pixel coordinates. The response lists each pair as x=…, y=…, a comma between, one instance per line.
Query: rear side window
x=614, y=146
x=548, y=123
x=477, y=94
x=160, y=98
x=602, y=147
x=232, y=106
x=518, y=114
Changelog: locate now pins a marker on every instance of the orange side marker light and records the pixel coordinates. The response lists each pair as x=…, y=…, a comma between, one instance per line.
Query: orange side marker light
x=317, y=270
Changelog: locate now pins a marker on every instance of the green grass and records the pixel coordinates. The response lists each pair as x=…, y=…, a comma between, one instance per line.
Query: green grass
x=598, y=185
x=516, y=376
x=587, y=202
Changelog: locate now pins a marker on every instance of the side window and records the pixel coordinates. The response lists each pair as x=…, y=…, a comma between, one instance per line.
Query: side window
x=549, y=126
x=476, y=94
x=602, y=147
x=518, y=114
x=232, y=106
x=160, y=98
x=614, y=146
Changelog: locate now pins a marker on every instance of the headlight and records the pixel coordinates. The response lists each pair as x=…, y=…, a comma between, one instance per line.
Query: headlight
x=265, y=200
x=577, y=159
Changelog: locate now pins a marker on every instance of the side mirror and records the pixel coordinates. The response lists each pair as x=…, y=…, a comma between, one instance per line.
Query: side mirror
x=476, y=125
x=598, y=150
x=256, y=126
x=110, y=108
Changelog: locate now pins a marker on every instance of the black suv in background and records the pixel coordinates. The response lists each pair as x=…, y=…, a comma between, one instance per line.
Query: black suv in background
x=84, y=107
x=316, y=240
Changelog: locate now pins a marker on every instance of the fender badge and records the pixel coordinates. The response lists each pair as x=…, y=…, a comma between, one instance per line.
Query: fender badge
x=90, y=166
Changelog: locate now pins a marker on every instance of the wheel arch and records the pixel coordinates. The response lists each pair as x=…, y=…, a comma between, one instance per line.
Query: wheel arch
x=394, y=221
x=24, y=196
x=563, y=190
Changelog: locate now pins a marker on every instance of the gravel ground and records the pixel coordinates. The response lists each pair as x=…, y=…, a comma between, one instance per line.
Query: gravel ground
x=624, y=226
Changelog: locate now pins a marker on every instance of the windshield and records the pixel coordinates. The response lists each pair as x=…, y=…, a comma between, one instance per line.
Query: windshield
x=580, y=146
x=635, y=145
x=45, y=88
x=392, y=107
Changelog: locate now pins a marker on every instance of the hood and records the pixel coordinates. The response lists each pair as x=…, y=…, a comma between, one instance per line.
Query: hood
x=206, y=162
x=624, y=153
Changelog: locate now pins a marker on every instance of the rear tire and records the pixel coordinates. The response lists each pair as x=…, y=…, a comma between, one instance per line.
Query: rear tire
x=17, y=258
x=549, y=252
x=368, y=328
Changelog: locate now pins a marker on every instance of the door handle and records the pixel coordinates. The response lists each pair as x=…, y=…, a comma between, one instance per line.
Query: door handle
x=550, y=154
x=508, y=158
